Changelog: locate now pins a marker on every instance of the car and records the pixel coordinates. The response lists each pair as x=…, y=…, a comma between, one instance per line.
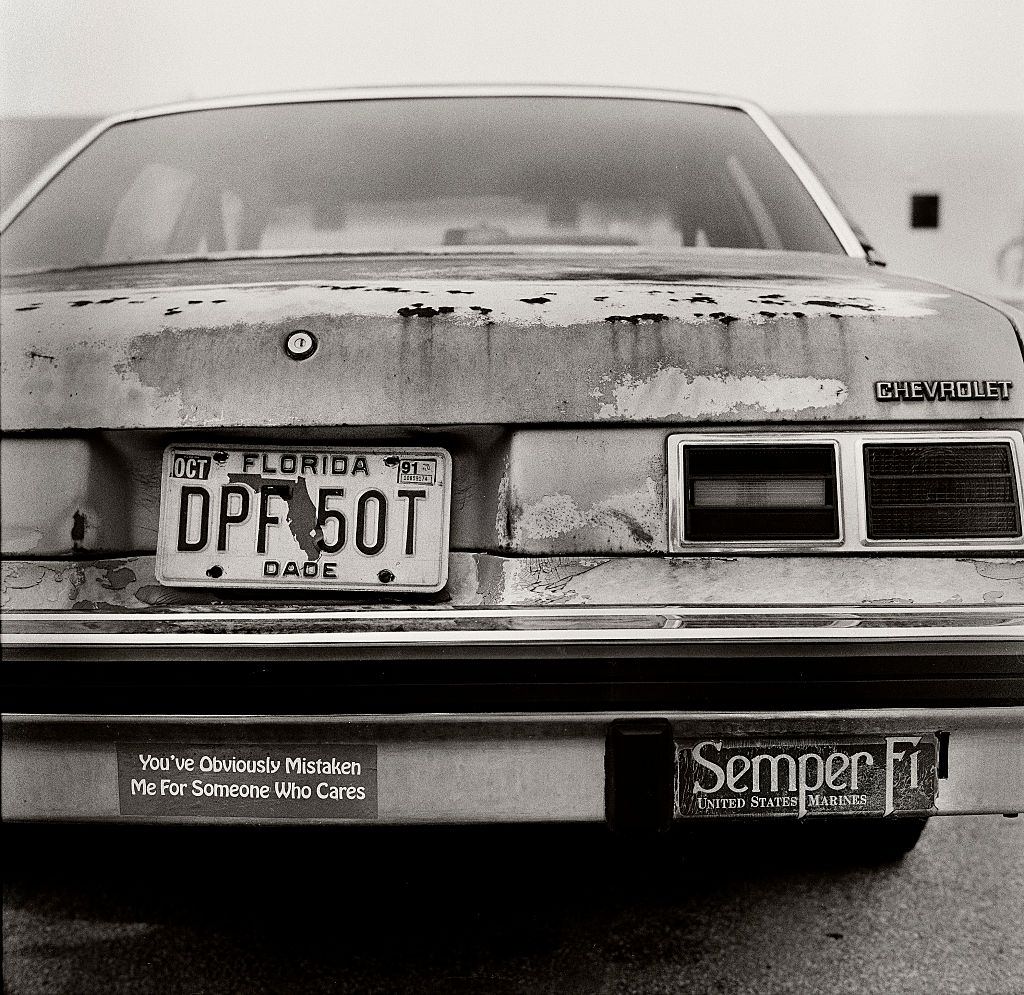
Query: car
x=497, y=455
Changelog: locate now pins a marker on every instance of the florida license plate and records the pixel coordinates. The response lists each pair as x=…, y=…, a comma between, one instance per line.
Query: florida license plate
x=875, y=775
x=338, y=518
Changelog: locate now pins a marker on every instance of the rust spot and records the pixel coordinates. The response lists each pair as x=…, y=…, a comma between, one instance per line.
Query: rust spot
x=154, y=594
x=635, y=319
x=172, y=310
x=482, y=310
x=766, y=314
x=860, y=307
x=111, y=300
x=393, y=290
x=635, y=528
x=702, y=299
x=423, y=311
x=78, y=530
x=80, y=303
x=118, y=578
x=535, y=300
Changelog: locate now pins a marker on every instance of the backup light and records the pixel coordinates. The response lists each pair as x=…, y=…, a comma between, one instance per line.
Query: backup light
x=760, y=493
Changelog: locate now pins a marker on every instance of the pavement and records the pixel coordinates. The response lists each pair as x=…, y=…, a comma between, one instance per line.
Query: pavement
x=776, y=908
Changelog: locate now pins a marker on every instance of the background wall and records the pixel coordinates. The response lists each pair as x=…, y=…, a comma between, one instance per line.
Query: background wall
x=974, y=163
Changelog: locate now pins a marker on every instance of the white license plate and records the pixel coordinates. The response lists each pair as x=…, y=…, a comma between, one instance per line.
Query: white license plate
x=336, y=518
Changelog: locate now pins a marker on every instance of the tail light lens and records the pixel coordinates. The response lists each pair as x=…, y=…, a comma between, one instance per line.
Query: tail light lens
x=760, y=493
x=941, y=491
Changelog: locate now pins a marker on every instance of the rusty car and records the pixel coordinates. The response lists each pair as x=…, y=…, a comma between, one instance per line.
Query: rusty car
x=496, y=455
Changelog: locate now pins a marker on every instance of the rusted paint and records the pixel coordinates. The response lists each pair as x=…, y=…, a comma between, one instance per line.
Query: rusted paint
x=673, y=393
x=479, y=579
x=638, y=514
x=70, y=495
x=999, y=569
x=613, y=500
x=826, y=329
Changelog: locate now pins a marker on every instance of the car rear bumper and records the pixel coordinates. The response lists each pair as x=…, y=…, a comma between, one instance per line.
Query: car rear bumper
x=335, y=633
x=497, y=705
x=469, y=768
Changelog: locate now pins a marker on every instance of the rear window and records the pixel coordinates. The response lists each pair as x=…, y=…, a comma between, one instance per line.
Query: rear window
x=419, y=174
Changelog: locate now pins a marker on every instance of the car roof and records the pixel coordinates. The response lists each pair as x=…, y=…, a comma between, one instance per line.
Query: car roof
x=435, y=90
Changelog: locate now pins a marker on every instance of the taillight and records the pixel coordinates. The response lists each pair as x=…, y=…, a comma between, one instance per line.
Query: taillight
x=760, y=493
x=921, y=490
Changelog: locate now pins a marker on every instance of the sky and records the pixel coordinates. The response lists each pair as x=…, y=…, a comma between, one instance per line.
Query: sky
x=93, y=57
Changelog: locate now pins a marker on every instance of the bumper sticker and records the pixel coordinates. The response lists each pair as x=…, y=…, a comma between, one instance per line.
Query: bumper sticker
x=278, y=781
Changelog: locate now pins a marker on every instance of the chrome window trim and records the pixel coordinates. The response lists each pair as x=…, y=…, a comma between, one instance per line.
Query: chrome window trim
x=852, y=492
x=826, y=205
x=1015, y=440
x=677, y=541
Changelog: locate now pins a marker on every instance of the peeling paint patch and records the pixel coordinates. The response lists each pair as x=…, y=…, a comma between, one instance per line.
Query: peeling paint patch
x=546, y=580
x=551, y=516
x=634, y=518
x=118, y=578
x=672, y=392
x=998, y=569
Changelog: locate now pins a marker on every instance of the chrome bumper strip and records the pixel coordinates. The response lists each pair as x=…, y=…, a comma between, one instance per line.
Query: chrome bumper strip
x=495, y=629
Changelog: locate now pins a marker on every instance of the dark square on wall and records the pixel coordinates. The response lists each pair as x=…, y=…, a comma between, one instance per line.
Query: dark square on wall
x=924, y=210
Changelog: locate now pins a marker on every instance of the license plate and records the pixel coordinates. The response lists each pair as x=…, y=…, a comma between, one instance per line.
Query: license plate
x=875, y=775
x=337, y=518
